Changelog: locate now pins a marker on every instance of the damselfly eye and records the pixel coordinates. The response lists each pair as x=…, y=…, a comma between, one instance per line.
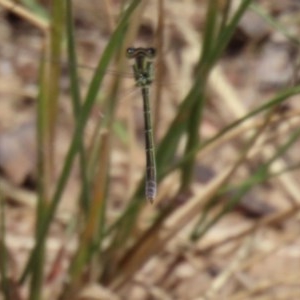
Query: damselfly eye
x=151, y=52
x=130, y=51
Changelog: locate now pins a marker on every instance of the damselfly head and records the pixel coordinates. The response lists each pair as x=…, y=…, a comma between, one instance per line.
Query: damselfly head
x=135, y=52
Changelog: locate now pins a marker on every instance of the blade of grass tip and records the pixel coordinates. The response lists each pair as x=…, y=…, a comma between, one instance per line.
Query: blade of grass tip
x=85, y=111
x=76, y=102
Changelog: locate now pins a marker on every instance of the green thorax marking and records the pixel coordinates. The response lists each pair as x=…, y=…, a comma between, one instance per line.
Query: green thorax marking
x=143, y=66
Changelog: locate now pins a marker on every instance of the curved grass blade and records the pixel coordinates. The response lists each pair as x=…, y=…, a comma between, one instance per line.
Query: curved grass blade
x=47, y=114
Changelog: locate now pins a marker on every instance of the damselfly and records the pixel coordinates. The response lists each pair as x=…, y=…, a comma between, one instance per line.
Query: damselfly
x=143, y=71
x=143, y=75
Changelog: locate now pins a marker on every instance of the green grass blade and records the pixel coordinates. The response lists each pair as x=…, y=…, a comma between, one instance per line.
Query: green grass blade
x=76, y=102
x=47, y=112
x=210, y=33
x=198, y=97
